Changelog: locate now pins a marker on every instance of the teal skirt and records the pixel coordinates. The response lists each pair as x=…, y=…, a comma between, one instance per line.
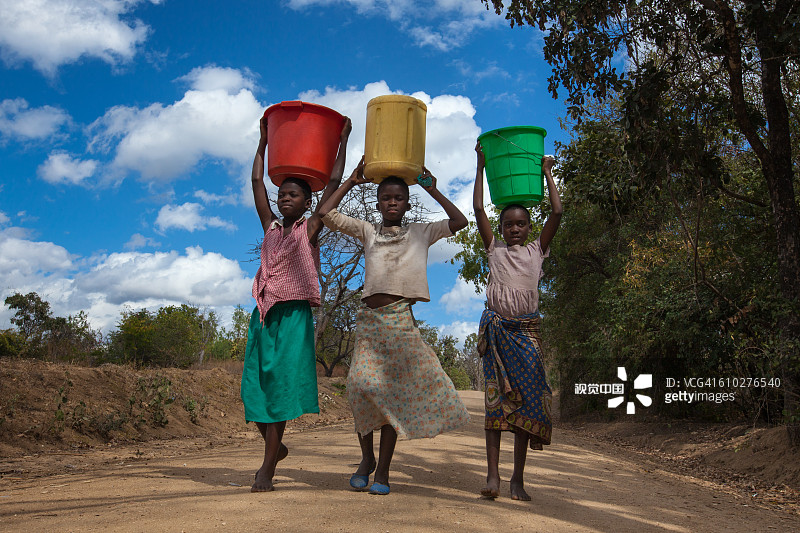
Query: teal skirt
x=279, y=379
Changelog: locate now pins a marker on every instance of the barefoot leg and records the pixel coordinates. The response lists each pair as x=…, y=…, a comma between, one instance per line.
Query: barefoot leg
x=283, y=451
x=492, y=489
x=520, y=455
x=273, y=434
x=385, y=453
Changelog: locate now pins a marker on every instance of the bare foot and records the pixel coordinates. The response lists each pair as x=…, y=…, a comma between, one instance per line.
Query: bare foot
x=518, y=492
x=262, y=484
x=283, y=451
x=492, y=489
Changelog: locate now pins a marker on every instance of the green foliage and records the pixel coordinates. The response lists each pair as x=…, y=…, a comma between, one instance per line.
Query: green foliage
x=72, y=338
x=11, y=343
x=693, y=179
x=59, y=415
x=669, y=279
x=41, y=335
x=471, y=259
x=453, y=360
x=195, y=408
x=238, y=335
x=75, y=417
x=172, y=336
x=458, y=375
x=31, y=317
x=150, y=401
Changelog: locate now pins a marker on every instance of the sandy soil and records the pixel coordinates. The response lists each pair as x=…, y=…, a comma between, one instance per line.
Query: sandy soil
x=579, y=483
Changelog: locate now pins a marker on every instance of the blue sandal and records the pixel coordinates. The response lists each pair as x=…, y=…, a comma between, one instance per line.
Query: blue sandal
x=379, y=488
x=360, y=481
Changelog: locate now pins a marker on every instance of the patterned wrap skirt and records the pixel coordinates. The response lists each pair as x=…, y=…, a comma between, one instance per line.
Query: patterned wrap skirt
x=518, y=397
x=395, y=378
x=279, y=379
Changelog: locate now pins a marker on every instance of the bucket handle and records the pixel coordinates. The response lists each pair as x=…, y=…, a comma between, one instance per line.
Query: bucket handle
x=292, y=104
x=518, y=146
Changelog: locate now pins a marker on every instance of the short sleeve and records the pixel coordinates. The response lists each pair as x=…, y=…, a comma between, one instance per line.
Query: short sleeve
x=354, y=227
x=537, y=245
x=536, y=252
x=434, y=231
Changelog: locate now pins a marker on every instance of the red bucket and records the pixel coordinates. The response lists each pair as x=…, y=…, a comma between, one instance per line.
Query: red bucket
x=302, y=141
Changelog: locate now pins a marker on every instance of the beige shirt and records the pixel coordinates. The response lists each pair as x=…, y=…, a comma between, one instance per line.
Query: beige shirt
x=514, y=274
x=395, y=258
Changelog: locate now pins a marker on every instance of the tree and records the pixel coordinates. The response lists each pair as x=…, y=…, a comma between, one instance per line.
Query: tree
x=722, y=60
x=42, y=335
x=32, y=317
x=231, y=344
x=73, y=338
x=172, y=336
x=11, y=343
x=450, y=357
x=336, y=342
x=473, y=362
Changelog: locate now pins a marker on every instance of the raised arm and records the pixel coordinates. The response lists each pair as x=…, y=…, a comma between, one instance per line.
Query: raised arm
x=554, y=220
x=457, y=219
x=259, y=189
x=315, y=220
x=484, y=226
x=336, y=197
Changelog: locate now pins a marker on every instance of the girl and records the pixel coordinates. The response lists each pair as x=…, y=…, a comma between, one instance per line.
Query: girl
x=279, y=379
x=396, y=382
x=517, y=395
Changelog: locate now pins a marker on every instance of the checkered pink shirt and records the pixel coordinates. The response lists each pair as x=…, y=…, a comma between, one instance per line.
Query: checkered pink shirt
x=288, y=268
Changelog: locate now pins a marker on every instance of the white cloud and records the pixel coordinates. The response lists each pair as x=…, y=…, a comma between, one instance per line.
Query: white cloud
x=138, y=240
x=218, y=199
x=19, y=121
x=60, y=167
x=213, y=78
x=505, y=98
x=104, y=285
x=442, y=251
x=51, y=33
x=489, y=70
x=4, y=219
x=196, y=277
x=462, y=298
x=460, y=330
x=21, y=258
x=188, y=217
x=217, y=118
x=439, y=24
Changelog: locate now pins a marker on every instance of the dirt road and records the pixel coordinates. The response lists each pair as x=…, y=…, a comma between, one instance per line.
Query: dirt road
x=576, y=484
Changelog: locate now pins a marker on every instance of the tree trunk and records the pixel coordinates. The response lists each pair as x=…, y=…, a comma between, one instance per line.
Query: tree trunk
x=779, y=176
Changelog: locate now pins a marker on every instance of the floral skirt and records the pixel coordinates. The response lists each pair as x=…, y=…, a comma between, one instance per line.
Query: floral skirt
x=518, y=397
x=395, y=378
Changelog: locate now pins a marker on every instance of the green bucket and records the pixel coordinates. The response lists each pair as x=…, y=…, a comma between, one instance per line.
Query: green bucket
x=514, y=164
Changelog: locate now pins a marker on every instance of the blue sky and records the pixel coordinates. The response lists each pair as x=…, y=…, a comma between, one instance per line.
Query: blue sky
x=128, y=129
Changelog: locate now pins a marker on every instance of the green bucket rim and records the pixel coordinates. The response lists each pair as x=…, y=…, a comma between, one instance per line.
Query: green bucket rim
x=498, y=131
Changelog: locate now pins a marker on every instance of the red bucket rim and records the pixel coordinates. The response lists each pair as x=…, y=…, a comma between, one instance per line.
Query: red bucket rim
x=288, y=104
